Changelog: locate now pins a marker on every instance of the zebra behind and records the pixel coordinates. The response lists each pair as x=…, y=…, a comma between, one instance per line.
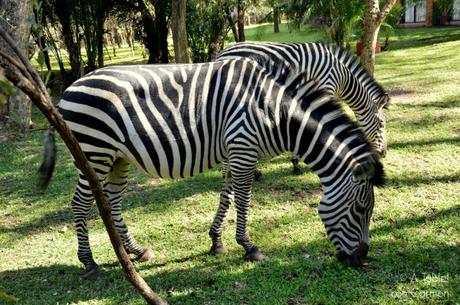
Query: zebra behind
x=175, y=121
x=334, y=69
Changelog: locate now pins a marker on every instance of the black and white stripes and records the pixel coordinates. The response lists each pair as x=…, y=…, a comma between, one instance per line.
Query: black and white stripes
x=176, y=121
x=333, y=68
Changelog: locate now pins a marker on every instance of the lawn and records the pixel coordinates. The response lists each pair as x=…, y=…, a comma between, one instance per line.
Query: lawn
x=415, y=233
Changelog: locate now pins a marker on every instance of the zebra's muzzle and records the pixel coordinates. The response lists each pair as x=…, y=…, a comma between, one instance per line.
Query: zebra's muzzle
x=357, y=258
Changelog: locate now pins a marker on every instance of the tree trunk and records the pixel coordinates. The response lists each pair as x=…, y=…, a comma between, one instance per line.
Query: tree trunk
x=373, y=19
x=71, y=39
x=100, y=18
x=231, y=22
x=240, y=21
x=162, y=26
x=155, y=29
x=179, y=31
x=276, y=19
x=13, y=15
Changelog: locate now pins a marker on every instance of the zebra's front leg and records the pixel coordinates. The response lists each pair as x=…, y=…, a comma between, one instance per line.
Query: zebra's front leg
x=226, y=198
x=114, y=188
x=242, y=177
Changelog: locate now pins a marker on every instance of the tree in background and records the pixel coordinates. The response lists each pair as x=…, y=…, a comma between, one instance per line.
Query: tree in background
x=15, y=17
x=207, y=27
x=389, y=26
x=179, y=30
x=61, y=16
x=441, y=11
x=240, y=10
x=153, y=29
x=92, y=16
x=373, y=18
x=277, y=8
x=337, y=17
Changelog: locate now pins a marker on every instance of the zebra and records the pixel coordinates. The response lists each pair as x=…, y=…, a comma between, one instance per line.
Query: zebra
x=176, y=121
x=335, y=70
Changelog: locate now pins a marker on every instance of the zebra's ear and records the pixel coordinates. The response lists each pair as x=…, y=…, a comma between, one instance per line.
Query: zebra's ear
x=384, y=101
x=370, y=169
x=363, y=170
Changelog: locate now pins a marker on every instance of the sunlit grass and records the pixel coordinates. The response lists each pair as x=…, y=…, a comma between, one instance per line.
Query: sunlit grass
x=414, y=255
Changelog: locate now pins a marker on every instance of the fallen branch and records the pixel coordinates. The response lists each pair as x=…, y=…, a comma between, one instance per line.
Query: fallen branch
x=26, y=78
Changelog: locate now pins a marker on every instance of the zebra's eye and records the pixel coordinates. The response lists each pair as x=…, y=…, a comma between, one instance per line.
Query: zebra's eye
x=360, y=207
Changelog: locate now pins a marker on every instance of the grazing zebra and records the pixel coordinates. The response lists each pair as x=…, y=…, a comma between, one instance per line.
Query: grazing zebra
x=335, y=70
x=176, y=121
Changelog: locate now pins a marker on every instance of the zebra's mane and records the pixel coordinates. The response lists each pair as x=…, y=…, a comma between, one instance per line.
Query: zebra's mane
x=333, y=105
x=353, y=63
x=270, y=63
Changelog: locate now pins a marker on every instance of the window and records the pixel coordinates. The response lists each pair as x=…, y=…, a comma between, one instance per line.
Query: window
x=456, y=10
x=415, y=11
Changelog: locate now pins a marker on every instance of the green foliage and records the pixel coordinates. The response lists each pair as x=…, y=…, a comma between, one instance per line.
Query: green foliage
x=6, y=90
x=390, y=23
x=444, y=6
x=442, y=9
x=337, y=17
x=207, y=27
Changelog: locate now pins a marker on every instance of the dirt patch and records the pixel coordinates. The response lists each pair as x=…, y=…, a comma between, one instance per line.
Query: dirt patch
x=308, y=193
x=8, y=220
x=279, y=191
x=398, y=92
x=137, y=187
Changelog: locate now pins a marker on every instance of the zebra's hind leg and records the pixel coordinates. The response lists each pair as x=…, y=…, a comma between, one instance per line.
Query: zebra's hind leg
x=114, y=187
x=242, y=168
x=226, y=198
x=296, y=167
x=81, y=206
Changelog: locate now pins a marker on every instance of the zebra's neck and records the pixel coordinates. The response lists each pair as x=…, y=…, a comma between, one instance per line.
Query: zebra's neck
x=322, y=135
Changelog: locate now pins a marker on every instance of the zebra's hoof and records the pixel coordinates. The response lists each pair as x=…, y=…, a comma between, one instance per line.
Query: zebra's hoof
x=258, y=176
x=217, y=250
x=145, y=256
x=298, y=171
x=255, y=255
x=91, y=272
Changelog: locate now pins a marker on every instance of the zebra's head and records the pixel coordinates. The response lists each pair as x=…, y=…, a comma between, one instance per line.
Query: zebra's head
x=346, y=211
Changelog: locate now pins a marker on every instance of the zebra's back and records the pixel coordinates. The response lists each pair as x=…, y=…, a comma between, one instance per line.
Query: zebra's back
x=160, y=117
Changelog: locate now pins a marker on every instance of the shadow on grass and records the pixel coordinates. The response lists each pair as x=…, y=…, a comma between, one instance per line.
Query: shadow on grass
x=452, y=102
x=413, y=181
x=453, y=213
x=161, y=198
x=289, y=276
x=418, y=143
x=430, y=37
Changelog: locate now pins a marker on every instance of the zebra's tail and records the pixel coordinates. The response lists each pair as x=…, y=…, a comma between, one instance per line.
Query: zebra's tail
x=49, y=160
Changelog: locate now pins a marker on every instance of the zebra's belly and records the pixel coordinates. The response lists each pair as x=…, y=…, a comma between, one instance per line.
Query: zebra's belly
x=175, y=159
x=178, y=170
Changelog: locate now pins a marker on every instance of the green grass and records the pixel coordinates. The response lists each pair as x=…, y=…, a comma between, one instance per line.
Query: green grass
x=286, y=34
x=415, y=234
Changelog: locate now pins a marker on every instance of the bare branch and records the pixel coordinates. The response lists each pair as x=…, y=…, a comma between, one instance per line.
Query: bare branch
x=386, y=9
x=15, y=63
x=23, y=59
